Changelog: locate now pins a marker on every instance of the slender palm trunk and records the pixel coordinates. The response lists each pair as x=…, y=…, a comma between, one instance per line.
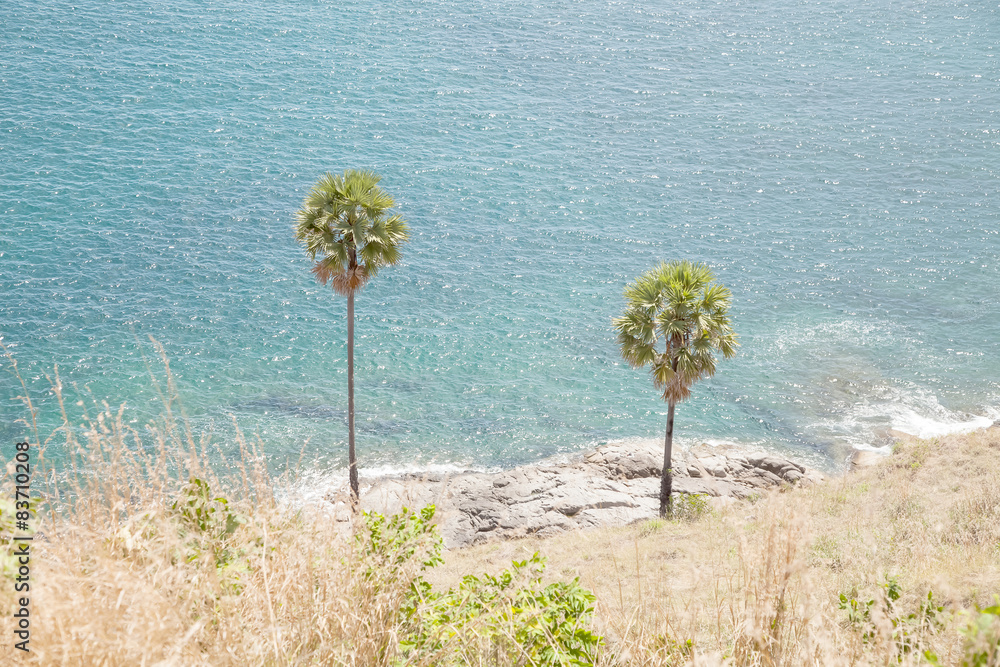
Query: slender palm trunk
x=667, y=477
x=352, y=460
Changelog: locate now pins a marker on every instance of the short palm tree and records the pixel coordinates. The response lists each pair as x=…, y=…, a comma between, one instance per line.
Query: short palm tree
x=346, y=228
x=675, y=319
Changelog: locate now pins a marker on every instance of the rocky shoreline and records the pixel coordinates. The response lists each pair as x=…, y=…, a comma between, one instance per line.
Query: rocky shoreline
x=615, y=484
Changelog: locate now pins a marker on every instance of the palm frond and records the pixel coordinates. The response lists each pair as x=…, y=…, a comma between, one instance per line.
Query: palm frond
x=346, y=227
x=676, y=318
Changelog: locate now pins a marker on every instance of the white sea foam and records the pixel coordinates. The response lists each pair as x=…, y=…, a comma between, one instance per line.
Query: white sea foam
x=914, y=411
x=315, y=485
x=439, y=468
x=909, y=421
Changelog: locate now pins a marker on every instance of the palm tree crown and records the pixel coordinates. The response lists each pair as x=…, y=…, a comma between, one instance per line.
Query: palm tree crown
x=345, y=227
x=681, y=304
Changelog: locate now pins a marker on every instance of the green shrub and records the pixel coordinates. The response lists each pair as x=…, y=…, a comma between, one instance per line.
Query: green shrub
x=909, y=632
x=203, y=514
x=205, y=525
x=691, y=506
x=507, y=619
x=389, y=545
x=982, y=638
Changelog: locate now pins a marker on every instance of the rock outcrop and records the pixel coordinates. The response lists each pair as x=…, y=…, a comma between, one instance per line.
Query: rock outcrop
x=614, y=484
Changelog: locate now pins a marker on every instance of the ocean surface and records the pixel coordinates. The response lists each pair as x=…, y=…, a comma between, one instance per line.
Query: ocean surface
x=836, y=163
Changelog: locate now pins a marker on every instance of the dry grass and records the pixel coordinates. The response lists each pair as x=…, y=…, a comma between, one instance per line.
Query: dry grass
x=121, y=575
x=124, y=576
x=759, y=584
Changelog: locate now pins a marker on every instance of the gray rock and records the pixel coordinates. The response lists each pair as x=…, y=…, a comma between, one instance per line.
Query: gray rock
x=614, y=484
x=861, y=458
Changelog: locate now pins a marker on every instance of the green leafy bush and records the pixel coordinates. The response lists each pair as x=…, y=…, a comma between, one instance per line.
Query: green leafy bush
x=908, y=631
x=206, y=524
x=982, y=638
x=691, y=506
x=204, y=514
x=389, y=546
x=511, y=618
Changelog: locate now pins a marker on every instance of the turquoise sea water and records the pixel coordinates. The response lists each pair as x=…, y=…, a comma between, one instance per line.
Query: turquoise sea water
x=836, y=163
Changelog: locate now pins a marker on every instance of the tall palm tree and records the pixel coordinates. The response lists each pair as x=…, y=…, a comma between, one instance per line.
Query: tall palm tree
x=346, y=228
x=679, y=307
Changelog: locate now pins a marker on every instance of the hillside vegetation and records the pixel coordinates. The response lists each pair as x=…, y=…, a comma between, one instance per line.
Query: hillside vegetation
x=886, y=564
x=147, y=556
